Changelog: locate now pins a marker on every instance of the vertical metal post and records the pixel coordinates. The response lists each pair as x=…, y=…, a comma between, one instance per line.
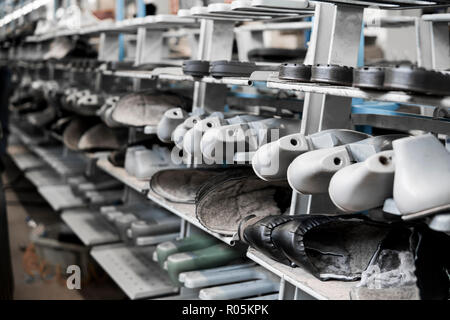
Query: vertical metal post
x=216, y=43
x=335, y=39
x=120, y=15
x=433, y=45
x=149, y=46
x=287, y=290
x=248, y=40
x=140, y=5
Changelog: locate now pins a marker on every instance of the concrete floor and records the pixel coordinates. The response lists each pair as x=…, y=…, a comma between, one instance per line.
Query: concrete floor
x=23, y=203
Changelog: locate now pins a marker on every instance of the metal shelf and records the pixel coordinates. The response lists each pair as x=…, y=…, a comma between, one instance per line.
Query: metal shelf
x=187, y=212
x=134, y=270
x=184, y=211
x=351, y=92
x=305, y=281
x=61, y=197
x=24, y=137
x=23, y=158
x=120, y=174
x=90, y=226
x=69, y=164
x=44, y=177
x=158, y=22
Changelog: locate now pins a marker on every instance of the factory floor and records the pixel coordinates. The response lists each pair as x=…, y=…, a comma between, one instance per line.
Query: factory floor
x=25, y=207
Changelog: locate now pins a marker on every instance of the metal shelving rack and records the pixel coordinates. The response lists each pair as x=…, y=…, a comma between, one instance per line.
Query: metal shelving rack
x=335, y=39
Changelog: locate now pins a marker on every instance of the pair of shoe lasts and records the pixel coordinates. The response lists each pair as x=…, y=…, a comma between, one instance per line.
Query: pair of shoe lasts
x=72, y=98
x=416, y=173
x=223, y=144
x=272, y=160
x=89, y=104
x=142, y=163
x=176, y=123
x=311, y=172
x=193, y=138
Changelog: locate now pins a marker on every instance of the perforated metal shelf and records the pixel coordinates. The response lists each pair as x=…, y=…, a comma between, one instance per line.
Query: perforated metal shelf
x=24, y=159
x=120, y=174
x=44, y=177
x=61, y=197
x=305, y=281
x=187, y=212
x=90, y=226
x=134, y=271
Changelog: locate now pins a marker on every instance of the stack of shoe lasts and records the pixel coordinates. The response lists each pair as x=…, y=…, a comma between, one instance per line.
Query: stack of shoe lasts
x=171, y=119
x=192, y=138
x=416, y=174
x=145, y=108
x=311, y=172
x=187, y=123
x=223, y=201
x=89, y=104
x=352, y=247
x=71, y=97
x=222, y=145
x=87, y=134
x=271, y=161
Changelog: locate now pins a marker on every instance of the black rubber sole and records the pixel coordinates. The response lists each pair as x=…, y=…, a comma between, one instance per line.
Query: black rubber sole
x=295, y=72
x=369, y=78
x=420, y=80
x=196, y=68
x=332, y=74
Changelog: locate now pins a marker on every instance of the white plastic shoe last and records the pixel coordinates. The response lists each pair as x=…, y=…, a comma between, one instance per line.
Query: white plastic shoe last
x=168, y=123
x=311, y=172
x=364, y=185
x=422, y=176
x=221, y=144
x=272, y=160
x=192, y=139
